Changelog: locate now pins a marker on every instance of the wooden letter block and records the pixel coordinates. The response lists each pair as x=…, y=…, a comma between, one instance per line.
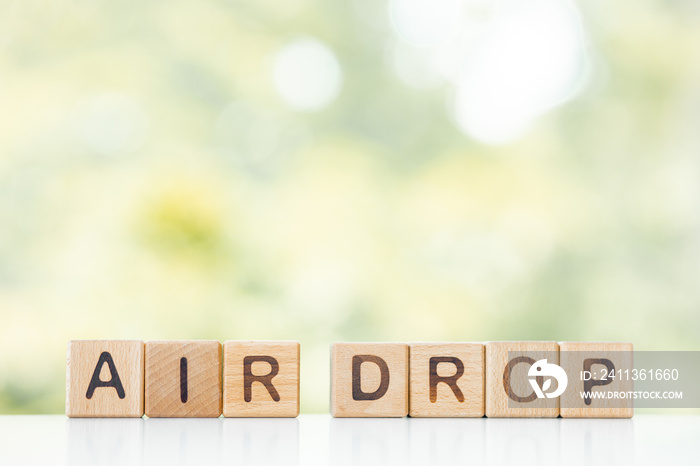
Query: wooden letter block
x=369, y=380
x=446, y=380
x=261, y=379
x=597, y=367
x=104, y=378
x=509, y=392
x=183, y=378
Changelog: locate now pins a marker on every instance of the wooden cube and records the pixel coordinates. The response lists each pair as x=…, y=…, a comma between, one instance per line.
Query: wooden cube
x=183, y=378
x=104, y=378
x=446, y=380
x=261, y=378
x=509, y=392
x=597, y=367
x=369, y=380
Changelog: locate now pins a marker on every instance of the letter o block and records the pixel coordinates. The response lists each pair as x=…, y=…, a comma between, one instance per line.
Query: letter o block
x=509, y=392
x=261, y=378
x=369, y=380
x=104, y=378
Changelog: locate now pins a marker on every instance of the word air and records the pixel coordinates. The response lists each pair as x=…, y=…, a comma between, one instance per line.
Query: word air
x=193, y=378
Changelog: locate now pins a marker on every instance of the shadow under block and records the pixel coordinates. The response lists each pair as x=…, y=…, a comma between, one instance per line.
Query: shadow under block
x=508, y=390
x=104, y=378
x=183, y=378
x=598, y=359
x=446, y=380
x=369, y=380
x=261, y=379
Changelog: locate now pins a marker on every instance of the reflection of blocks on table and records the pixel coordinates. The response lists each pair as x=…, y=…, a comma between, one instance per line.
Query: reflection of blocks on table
x=447, y=441
x=104, y=441
x=104, y=378
x=173, y=441
x=183, y=378
x=597, y=369
x=612, y=439
x=508, y=390
x=261, y=441
x=261, y=378
x=535, y=441
x=369, y=380
x=446, y=380
x=369, y=442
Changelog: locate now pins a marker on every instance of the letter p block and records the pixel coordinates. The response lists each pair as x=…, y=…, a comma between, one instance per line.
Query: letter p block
x=261, y=379
x=369, y=380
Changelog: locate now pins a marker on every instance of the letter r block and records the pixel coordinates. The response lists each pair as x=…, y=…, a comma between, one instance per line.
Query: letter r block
x=369, y=380
x=509, y=392
x=261, y=379
x=104, y=378
x=446, y=380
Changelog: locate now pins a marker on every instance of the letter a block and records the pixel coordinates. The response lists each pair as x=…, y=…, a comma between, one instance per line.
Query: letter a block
x=509, y=392
x=446, y=380
x=104, y=378
x=593, y=368
x=261, y=379
x=369, y=380
x=183, y=378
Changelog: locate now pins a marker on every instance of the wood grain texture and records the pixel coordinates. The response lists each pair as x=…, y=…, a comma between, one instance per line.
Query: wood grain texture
x=177, y=388
x=84, y=357
x=498, y=403
x=394, y=400
x=437, y=397
x=572, y=356
x=261, y=378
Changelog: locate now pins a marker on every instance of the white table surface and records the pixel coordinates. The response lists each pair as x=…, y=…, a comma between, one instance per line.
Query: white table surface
x=320, y=439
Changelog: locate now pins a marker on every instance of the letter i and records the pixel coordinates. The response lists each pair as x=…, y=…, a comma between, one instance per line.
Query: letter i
x=183, y=380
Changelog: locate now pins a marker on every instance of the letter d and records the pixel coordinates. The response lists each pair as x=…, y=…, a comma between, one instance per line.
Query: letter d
x=357, y=393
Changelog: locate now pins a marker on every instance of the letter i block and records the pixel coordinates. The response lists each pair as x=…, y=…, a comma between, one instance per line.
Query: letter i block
x=261, y=379
x=369, y=380
x=104, y=378
x=446, y=380
x=183, y=378
x=514, y=369
x=595, y=370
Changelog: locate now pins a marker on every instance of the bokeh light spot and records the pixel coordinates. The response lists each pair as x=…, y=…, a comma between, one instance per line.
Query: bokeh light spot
x=307, y=74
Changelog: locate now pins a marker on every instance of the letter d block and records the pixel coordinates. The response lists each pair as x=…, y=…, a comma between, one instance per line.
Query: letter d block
x=369, y=380
x=596, y=369
x=509, y=392
x=104, y=378
x=446, y=380
x=261, y=379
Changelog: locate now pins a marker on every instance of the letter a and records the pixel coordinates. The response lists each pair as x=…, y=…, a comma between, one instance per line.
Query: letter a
x=95, y=382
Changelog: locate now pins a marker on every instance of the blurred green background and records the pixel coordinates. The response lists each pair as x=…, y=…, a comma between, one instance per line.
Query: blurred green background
x=344, y=170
